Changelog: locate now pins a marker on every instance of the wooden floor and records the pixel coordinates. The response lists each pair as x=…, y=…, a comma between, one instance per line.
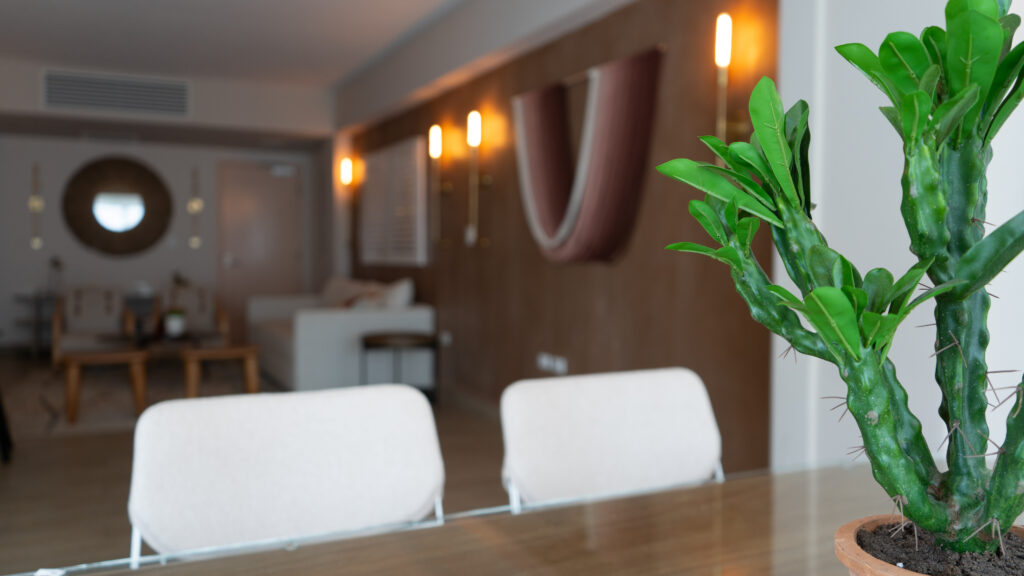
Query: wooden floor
x=63, y=499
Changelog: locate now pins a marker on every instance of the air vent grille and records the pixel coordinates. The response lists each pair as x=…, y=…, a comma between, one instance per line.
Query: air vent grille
x=115, y=93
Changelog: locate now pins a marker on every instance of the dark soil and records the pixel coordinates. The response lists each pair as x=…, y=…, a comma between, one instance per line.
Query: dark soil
x=927, y=558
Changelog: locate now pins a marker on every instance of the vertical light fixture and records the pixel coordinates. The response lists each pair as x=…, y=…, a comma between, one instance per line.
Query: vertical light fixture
x=723, y=57
x=474, y=135
x=346, y=171
x=36, y=204
x=435, y=147
x=195, y=207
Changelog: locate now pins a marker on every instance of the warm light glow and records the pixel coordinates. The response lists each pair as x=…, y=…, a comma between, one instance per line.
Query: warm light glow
x=434, y=138
x=723, y=40
x=474, y=131
x=346, y=171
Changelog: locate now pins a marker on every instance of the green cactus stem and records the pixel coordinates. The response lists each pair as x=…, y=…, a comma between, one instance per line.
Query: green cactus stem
x=950, y=90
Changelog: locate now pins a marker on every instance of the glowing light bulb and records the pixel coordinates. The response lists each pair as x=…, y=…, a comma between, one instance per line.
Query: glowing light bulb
x=435, y=143
x=723, y=40
x=474, y=130
x=346, y=171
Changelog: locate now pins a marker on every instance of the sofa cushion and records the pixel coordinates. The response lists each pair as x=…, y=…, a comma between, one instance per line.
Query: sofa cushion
x=343, y=292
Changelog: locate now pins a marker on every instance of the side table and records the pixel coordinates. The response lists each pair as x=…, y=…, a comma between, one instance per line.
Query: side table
x=73, y=362
x=397, y=342
x=192, y=357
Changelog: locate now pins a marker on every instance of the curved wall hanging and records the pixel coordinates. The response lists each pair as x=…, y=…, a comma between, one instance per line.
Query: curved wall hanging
x=587, y=215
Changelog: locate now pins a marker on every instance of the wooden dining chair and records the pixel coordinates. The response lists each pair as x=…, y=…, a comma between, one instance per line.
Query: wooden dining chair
x=233, y=470
x=575, y=438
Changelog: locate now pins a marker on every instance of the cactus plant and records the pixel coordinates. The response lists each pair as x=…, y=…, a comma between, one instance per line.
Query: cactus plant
x=950, y=90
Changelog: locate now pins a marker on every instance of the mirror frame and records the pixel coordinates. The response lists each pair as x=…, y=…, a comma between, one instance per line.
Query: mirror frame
x=117, y=174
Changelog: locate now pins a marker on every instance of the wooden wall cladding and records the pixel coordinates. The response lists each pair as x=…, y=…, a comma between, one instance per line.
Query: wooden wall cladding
x=503, y=302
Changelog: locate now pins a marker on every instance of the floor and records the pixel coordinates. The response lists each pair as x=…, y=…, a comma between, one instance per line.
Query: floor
x=64, y=493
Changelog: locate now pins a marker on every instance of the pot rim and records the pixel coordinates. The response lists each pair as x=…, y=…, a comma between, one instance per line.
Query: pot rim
x=858, y=560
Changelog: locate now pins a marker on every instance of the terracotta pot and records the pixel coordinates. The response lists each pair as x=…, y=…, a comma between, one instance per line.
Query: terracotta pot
x=860, y=562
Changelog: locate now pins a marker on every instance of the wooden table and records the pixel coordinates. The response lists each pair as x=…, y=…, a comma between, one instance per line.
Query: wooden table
x=73, y=362
x=754, y=526
x=193, y=357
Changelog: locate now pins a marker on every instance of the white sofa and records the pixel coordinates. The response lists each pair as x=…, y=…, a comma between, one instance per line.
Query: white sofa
x=314, y=341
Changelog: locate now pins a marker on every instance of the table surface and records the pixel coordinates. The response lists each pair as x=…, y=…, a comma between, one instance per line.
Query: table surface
x=755, y=525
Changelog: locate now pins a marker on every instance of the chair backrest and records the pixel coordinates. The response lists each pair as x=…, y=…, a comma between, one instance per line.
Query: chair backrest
x=93, y=310
x=579, y=437
x=238, y=469
x=198, y=304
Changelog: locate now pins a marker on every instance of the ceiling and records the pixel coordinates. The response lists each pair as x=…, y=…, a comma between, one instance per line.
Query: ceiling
x=310, y=42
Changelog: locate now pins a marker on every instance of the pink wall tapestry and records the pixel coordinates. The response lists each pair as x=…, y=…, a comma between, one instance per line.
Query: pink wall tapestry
x=587, y=215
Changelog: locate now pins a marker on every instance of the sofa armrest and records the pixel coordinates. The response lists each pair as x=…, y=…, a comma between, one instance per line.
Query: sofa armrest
x=328, y=341
x=260, y=308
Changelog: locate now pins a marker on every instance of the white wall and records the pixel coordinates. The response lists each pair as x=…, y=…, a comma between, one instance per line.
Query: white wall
x=250, y=106
x=471, y=38
x=23, y=269
x=856, y=165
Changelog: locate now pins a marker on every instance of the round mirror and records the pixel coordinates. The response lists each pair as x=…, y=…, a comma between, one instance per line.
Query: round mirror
x=118, y=211
x=117, y=206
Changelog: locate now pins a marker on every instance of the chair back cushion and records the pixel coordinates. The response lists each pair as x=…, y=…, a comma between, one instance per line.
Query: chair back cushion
x=199, y=305
x=577, y=437
x=236, y=469
x=93, y=310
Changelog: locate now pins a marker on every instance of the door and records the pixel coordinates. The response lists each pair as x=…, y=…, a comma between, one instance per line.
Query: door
x=260, y=219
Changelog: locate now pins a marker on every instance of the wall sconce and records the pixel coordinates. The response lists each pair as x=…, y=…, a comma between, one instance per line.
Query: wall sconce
x=195, y=207
x=723, y=57
x=474, y=135
x=36, y=204
x=346, y=171
x=435, y=147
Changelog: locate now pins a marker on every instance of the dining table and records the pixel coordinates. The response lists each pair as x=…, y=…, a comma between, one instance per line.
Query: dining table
x=751, y=524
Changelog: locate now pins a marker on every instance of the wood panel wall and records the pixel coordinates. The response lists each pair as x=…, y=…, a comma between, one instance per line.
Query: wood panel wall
x=503, y=302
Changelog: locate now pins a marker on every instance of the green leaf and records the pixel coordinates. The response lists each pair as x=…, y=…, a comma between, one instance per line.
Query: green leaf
x=903, y=289
x=1004, y=6
x=870, y=322
x=832, y=315
x=707, y=218
x=893, y=116
x=949, y=115
x=787, y=296
x=746, y=228
x=867, y=62
x=878, y=285
x=748, y=156
x=930, y=80
x=1010, y=24
x=717, y=147
x=1006, y=75
x=934, y=40
x=716, y=185
x=975, y=43
x=987, y=258
x=904, y=60
x=769, y=120
x=989, y=8
x=728, y=254
x=931, y=293
x=746, y=182
x=882, y=339
x=917, y=106
x=845, y=274
x=858, y=299
x=820, y=262
x=799, y=138
x=731, y=213
x=1006, y=109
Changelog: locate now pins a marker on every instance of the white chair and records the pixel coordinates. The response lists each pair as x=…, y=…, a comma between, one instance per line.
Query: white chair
x=600, y=435
x=229, y=470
